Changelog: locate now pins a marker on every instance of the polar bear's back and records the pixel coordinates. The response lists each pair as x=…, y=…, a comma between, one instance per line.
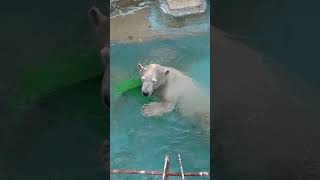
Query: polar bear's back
x=177, y=85
x=190, y=97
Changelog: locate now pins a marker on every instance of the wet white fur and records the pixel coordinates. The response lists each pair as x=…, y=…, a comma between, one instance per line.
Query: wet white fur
x=176, y=90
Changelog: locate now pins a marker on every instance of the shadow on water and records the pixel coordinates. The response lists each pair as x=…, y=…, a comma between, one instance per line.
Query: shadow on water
x=266, y=90
x=58, y=136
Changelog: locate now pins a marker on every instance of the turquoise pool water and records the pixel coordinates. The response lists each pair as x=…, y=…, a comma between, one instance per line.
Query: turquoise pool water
x=142, y=143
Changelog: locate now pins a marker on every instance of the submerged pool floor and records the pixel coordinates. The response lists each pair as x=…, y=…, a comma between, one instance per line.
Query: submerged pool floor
x=141, y=143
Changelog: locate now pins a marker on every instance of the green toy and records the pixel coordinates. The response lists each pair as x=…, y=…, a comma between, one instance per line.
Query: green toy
x=128, y=85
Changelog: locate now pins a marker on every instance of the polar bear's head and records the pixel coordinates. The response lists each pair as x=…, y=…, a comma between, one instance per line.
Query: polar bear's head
x=153, y=76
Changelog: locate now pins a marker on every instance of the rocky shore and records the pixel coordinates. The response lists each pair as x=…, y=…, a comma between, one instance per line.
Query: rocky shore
x=118, y=7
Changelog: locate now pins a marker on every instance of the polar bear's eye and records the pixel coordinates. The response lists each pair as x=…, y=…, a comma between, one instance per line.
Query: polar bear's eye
x=154, y=80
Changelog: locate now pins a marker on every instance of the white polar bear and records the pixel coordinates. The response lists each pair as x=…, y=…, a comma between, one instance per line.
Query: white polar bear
x=175, y=90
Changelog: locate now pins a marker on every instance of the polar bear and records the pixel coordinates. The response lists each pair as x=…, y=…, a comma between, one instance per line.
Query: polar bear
x=175, y=90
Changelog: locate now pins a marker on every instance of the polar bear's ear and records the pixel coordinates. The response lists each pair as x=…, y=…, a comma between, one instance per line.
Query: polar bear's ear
x=139, y=66
x=167, y=72
x=141, y=69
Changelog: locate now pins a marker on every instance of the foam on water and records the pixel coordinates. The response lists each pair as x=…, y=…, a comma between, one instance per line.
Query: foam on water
x=142, y=143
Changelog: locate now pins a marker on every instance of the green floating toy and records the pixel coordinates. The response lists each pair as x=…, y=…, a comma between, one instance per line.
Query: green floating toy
x=128, y=85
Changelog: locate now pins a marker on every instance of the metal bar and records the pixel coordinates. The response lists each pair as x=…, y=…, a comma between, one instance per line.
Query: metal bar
x=124, y=171
x=166, y=168
x=181, y=168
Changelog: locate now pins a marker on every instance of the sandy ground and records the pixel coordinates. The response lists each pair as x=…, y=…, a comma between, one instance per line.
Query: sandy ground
x=132, y=28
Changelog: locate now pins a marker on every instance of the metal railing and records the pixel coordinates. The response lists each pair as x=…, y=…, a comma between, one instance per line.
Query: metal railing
x=165, y=173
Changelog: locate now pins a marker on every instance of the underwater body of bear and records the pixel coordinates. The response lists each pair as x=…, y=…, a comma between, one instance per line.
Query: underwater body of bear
x=175, y=91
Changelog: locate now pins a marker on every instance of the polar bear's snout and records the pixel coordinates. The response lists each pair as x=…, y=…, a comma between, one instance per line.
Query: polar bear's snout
x=145, y=93
x=147, y=88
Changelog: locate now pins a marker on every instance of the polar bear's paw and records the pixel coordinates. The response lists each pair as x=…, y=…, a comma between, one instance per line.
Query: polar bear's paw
x=148, y=110
x=156, y=109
